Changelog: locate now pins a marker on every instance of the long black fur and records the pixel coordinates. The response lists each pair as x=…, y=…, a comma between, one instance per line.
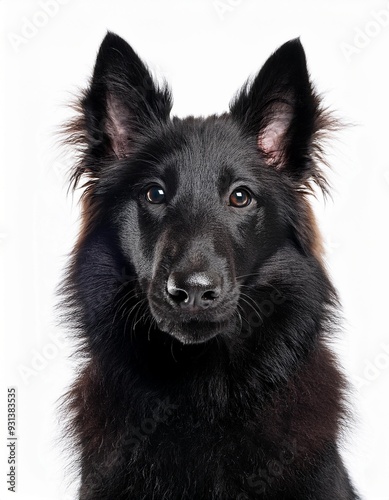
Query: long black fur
x=242, y=399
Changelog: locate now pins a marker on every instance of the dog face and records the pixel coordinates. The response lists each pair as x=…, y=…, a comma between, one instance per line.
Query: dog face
x=196, y=219
x=198, y=204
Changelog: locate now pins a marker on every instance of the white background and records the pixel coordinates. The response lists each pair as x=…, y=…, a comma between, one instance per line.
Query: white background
x=206, y=49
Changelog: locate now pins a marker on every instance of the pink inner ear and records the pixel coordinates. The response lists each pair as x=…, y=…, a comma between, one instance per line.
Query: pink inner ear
x=271, y=140
x=118, y=127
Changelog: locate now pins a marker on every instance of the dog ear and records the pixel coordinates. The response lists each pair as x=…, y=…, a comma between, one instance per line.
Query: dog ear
x=123, y=98
x=119, y=107
x=280, y=109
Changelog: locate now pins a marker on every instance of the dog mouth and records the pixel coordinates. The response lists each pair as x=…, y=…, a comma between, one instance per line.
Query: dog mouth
x=194, y=331
x=191, y=330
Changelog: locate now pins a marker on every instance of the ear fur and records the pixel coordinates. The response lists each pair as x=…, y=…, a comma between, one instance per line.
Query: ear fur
x=280, y=109
x=117, y=110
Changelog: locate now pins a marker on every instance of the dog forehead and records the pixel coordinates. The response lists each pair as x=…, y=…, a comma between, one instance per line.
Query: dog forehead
x=206, y=149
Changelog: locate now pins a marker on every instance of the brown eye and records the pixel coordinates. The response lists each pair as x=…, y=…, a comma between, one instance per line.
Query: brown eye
x=155, y=194
x=240, y=198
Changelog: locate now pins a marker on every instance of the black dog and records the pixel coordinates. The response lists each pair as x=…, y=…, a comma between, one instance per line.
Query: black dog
x=199, y=295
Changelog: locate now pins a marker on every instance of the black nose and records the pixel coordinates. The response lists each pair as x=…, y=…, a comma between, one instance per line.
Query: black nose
x=194, y=291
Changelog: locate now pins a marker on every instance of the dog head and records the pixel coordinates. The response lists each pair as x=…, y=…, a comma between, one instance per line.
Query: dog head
x=197, y=206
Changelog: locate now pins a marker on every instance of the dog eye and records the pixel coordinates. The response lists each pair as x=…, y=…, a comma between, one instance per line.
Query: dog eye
x=240, y=198
x=155, y=194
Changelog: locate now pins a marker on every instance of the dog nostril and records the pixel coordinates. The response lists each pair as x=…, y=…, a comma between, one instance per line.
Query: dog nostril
x=175, y=293
x=209, y=295
x=178, y=295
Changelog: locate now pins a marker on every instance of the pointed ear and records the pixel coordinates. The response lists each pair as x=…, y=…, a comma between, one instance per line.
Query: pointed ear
x=280, y=109
x=119, y=107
